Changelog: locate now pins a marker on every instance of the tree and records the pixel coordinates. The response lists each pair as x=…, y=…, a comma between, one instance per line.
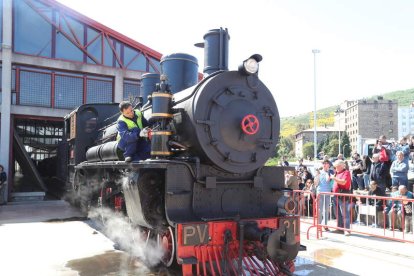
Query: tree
x=326, y=148
x=321, y=146
x=307, y=149
x=285, y=147
x=333, y=149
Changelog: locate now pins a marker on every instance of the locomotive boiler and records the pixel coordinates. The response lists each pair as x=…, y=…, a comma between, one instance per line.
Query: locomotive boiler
x=205, y=194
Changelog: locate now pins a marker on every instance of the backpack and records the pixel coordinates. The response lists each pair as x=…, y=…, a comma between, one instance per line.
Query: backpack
x=383, y=155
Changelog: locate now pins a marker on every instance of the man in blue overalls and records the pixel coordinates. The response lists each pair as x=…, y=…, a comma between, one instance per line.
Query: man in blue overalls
x=132, y=133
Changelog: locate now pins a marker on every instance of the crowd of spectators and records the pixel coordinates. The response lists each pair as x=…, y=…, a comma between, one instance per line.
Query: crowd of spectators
x=383, y=174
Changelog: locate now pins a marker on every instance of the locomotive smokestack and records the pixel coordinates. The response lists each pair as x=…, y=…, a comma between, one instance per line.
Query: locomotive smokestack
x=216, y=50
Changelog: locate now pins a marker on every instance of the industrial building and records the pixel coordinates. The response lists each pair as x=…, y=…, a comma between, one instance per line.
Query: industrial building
x=54, y=59
x=368, y=118
x=307, y=135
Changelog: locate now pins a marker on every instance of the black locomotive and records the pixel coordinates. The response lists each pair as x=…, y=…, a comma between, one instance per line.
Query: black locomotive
x=205, y=193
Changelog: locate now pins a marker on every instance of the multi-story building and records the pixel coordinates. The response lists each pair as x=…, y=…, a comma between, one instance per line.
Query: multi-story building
x=307, y=135
x=54, y=59
x=406, y=121
x=366, y=119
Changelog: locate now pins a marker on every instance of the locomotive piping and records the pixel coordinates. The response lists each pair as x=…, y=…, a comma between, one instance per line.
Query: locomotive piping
x=194, y=92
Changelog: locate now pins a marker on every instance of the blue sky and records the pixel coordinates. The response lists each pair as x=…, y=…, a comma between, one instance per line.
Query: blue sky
x=367, y=46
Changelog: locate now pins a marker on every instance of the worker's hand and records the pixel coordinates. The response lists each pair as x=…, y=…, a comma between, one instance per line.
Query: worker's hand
x=144, y=132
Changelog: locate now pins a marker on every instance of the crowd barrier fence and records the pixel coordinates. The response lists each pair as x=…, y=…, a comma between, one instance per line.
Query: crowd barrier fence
x=376, y=216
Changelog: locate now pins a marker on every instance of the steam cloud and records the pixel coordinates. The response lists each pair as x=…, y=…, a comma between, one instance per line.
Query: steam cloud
x=117, y=228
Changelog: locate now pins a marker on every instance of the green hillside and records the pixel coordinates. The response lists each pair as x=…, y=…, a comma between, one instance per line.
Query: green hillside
x=404, y=97
x=293, y=124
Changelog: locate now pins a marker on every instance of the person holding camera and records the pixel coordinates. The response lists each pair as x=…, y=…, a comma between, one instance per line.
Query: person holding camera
x=378, y=172
x=357, y=176
x=383, y=149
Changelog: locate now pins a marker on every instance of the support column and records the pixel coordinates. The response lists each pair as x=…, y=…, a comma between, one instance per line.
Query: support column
x=6, y=76
x=119, y=86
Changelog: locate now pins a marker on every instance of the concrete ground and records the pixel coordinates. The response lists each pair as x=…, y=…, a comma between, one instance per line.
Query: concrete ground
x=340, y=255
x=37, y=211
x=52, y=238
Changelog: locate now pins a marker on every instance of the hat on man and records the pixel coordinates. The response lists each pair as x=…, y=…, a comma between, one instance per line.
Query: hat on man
x=339, y=163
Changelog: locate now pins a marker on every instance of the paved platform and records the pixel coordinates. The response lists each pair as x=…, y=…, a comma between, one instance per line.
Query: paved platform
x=340, y=255
x=52, y=238
x=37, y=211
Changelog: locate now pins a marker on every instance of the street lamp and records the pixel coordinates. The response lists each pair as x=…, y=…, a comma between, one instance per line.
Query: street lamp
x=338, y=111
x=314, y=51
x=343, y=149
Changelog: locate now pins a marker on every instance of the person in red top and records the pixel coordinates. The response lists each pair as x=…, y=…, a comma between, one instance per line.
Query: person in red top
x=342, y=184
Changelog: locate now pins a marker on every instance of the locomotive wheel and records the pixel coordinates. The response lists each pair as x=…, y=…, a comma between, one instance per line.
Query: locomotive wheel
x=166, y=241
x=110, y=197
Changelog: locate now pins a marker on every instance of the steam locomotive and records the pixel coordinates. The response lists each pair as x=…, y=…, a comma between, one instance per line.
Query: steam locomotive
x=204, y=195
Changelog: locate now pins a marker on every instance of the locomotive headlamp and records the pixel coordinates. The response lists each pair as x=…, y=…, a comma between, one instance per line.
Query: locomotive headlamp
x=251, y=65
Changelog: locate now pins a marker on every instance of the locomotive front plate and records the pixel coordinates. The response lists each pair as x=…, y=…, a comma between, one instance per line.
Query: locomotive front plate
x=195, y=234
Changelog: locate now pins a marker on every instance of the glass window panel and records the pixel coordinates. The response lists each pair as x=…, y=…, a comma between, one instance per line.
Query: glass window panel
x=35, y=88
x=129, y=54
x=91, y=34
x=131, y=90
x=156, y=63
x=63, y=25
x=66, y=49
x=98, y=91
x=32, y=34
x=77, y=29
x=118, y=46
x=13, y=82
x=95, y=49
x=68, y=91
x=140, y=64
x=108, y=54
